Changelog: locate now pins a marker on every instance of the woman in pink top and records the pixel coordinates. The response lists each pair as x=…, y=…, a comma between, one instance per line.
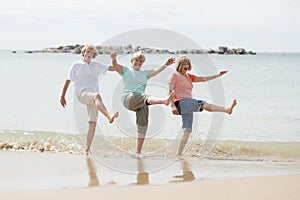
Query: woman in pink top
x=182, y=84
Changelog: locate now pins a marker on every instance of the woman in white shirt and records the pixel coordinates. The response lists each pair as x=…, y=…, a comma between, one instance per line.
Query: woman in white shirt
x=85, y=74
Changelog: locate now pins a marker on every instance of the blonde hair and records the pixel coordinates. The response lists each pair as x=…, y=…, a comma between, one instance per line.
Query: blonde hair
x=138, y=55
x=89, y=47
x=183, y=60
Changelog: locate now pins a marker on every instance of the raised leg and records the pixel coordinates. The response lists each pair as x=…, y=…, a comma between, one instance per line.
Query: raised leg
x=101, y=107
x=216, y=108
x=156, y=100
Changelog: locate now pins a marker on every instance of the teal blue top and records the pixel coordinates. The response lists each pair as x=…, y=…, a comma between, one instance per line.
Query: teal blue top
x=134, y=81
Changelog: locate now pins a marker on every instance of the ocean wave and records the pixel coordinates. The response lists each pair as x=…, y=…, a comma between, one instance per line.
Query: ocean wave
x=41, y=141
x=47, y=141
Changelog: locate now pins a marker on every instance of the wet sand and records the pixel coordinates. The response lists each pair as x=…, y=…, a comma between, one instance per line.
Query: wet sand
x=33, y=175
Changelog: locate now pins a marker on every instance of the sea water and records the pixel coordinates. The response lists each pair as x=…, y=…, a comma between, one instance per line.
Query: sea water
x=265, y=121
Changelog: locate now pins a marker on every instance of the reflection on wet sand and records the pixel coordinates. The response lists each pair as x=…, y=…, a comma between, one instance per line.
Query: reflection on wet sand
x=93, y=182
x=142, y=177
x=187, y=173
x=181, y=171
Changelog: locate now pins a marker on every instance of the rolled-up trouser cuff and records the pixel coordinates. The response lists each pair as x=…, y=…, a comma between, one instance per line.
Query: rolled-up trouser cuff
x=142, y=129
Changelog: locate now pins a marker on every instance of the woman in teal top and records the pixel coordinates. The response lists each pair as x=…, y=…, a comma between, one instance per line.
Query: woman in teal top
x=134, y=97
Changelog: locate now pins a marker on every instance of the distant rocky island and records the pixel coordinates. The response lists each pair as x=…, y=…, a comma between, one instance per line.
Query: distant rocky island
x=129, y=49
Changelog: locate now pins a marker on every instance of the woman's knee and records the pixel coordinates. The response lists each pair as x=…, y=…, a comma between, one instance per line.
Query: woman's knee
x=206, y=106
x=92, y=125
x=186, y=133
x=98, y=98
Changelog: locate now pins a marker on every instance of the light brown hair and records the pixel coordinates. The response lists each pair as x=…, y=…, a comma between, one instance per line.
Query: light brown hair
x=183, y=60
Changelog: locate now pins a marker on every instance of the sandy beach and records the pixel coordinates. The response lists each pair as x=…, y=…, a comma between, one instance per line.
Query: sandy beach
x=275, y=188
x=34, y=175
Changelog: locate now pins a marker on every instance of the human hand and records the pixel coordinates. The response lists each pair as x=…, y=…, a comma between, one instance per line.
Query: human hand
x=170, y=61
x=113, y=55
x=63, y=101
x=222, y=73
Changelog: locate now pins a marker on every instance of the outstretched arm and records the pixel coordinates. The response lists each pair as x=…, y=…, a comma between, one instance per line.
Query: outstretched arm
x=208, y=78
x=154, y=72
x=115, y=66
x=63, y=101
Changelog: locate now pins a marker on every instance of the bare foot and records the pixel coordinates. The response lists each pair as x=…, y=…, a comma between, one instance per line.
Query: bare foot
x=137, y=156
x=169, y=98
x=112, y=117
x=230, y=108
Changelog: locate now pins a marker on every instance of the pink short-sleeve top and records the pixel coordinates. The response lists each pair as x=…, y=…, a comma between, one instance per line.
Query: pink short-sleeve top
x=183, y=85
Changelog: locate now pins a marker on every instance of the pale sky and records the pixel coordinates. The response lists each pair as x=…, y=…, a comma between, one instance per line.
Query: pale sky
x=261, y=26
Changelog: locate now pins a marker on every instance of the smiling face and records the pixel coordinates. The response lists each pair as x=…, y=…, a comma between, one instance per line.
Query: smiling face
x=137, y=63
x=137, y=60
x=89, y=52
x=88, y=55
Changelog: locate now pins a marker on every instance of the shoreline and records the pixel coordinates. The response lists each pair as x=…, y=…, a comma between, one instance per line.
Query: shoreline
x=57, y=142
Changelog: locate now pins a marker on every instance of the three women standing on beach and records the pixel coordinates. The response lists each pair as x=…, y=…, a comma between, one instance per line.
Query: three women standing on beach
x=85, y=74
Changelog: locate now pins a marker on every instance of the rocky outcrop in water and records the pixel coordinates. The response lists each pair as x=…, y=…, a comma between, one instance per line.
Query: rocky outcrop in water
x=129, y=49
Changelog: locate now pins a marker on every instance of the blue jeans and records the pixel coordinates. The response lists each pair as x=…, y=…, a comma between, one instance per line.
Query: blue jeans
x=186, y=107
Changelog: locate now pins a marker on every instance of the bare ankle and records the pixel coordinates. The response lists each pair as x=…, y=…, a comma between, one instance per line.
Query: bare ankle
x=230, y=108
